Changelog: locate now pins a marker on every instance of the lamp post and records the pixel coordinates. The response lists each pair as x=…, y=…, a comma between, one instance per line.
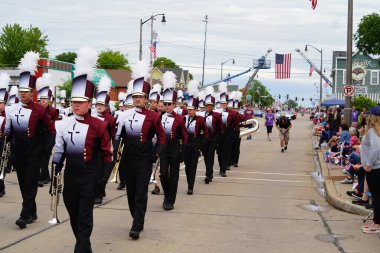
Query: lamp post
x=163, y=21
x=347, y=101
x=221, y=67
x=320, y=74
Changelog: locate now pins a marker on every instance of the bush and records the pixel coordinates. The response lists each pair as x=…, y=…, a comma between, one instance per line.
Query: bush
x=362, y=102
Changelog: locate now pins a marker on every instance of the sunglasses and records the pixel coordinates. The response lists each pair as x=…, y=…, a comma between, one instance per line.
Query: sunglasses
x=167, y=104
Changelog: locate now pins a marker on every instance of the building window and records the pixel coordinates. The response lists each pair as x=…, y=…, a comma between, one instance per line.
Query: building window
x=344, y=77
x=374, y=77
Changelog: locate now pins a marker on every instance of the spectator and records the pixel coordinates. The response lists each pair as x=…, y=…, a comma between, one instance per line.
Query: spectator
x=370, y=154
x=355, y=114
x=283, y=125
x=334, y=121
x=249, y=114
x=269, y=120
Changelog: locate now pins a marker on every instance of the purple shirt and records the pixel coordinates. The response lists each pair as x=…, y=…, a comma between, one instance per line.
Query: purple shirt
x=355, y=115
x=269, y=119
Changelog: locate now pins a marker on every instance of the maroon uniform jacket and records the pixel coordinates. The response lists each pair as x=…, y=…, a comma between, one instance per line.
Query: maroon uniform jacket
x=23, y=120
x=195, y=127
x=214, y=124
x=230, y=120
x=240, y=118
x=174, y=128
x=137, y=128
x=2, y=123
x=53, y=112
x=111, y=126
x=82, y=140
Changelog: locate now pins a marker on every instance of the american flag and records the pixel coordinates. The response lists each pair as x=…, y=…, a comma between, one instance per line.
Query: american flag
x=313, y=4
x=312, y=69
x=153, y=48
x=283, y=63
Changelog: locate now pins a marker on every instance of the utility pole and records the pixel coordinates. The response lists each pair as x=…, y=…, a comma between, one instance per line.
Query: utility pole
x=204, y=51
x=151, y=41
x=140, y=44
x=348, y=102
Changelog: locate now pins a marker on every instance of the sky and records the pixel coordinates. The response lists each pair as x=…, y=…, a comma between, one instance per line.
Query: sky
x=242, y=30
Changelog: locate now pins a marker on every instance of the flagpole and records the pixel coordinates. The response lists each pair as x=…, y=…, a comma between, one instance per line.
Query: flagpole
x=348, y=102
x=204, y=51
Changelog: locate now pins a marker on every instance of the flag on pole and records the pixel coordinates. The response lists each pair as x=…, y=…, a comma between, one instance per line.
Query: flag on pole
x=153, y=49
x=312, y=68
x=313, y=4
x=283, y=64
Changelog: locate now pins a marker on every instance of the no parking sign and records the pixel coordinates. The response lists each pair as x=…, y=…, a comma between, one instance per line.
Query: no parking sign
x=348, y=90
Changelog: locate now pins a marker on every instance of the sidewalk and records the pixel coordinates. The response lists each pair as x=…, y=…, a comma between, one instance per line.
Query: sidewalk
x=336, y=191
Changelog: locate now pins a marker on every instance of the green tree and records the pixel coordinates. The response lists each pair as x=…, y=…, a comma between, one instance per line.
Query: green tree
x=163, y=62
x=363, y=102
x=367, y=37
x=109, y=59
x=67, y=57
x=15, y=41
x=260, y=94
x=291, y=104
x=67, y=86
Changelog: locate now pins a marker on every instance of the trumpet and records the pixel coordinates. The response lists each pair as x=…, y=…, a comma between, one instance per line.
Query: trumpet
x=4, y=157
x=115, y=169
x=55, y=192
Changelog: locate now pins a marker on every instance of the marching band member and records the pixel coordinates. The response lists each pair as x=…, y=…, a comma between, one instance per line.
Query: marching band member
x=103, y=113
x=62, y=100
x=176, y=136
x=83, y=140
x=180, y=109
x=24, y=122
x=136, y=130
x=44, y=96
x=121, y=97
x=195, y=127
x=230, y=123
x=201, y=104
x=4, y=82
x=237, y=140
x=122, y=107
x=215, y=130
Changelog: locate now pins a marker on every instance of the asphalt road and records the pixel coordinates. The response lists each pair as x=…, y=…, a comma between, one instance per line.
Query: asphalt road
x=270, y=203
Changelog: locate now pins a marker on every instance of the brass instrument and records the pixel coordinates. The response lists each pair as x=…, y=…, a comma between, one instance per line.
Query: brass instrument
x=249, y=131
x=55, y=192
x=4, y=157
x=153, y=176
x=115, y=169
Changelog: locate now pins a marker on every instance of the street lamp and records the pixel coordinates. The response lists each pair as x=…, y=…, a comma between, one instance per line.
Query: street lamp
x=221, y=67
x=320, y=74
x=163, y=21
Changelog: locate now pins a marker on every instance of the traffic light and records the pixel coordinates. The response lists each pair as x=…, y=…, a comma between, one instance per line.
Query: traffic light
x=279, y=96
x=287, y=96
x=311, y=99
x=302, y=99
x=296, y=98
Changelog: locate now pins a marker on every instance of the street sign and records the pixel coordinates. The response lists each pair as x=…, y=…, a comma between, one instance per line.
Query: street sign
x=360, y=90
x=348, y=90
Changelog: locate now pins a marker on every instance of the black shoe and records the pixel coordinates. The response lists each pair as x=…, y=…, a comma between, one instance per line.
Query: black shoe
x=40, y=183
x=282, y=150
x=134, y=234
x=228, y=168
x=2, y=193
x=103, y=194
x=236, y=165
x=98, y=201
x=354, y=194
x=207, y=180
x=360, y=202
x=121, y=186
x=189, y=192
x=223, y=174
x=286, y=148
x=165, y=205
x=156, y=190
x=46, y=181
x=34, y=217
x=21, y=222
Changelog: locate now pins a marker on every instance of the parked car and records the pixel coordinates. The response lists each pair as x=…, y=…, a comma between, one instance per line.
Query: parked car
x=258, y=113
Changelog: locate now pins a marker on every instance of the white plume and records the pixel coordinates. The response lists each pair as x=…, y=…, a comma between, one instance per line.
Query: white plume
x=217, y=96
x=223, y=87
x=104, y=84
x=238, y=95
x=179, y=94
x=232, y=95
x=169, y=79
x=62, y=94
x=85, y=62
x=157, y=87
x=209, y=90
x=4, y=80
x=201, y=95
x=14, y=90
x=44, y=80
x=29, y=62
x=130, y=87
x=141, y=69
x=122, y=96
x=193, y=88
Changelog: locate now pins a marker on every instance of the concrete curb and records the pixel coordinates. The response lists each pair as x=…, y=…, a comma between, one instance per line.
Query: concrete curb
x=333, y=197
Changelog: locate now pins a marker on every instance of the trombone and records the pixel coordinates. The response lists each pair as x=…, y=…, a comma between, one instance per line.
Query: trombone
x=4, y=157
x=55, y=192
x=115, y=169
